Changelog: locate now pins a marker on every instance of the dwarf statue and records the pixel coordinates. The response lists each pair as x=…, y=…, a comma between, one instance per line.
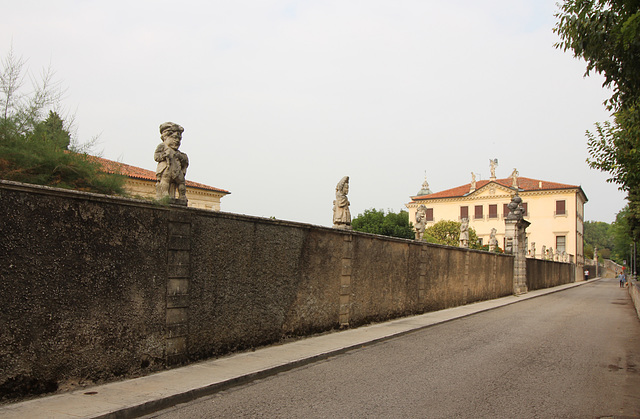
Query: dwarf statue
x=341, y=213
x=172, y=164
x=421, y=221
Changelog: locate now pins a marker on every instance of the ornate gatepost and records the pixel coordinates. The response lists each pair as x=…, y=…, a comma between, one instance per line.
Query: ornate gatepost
x=515, y=233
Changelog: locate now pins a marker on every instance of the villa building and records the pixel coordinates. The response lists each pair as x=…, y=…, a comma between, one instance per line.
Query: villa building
x=555, y=211
x=142, y=183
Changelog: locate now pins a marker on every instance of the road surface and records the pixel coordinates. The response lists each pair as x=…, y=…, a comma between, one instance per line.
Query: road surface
x=570, y=354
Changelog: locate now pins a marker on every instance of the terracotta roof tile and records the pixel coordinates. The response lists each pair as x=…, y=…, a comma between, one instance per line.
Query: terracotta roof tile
x=134, y=172
x=524, y=184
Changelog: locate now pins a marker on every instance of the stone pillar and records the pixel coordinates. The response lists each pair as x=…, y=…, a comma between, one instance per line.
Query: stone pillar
x=515, y=233
x=345, y=281
x=178, y=275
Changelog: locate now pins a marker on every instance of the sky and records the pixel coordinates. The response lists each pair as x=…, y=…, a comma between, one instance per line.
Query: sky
x=281, y=99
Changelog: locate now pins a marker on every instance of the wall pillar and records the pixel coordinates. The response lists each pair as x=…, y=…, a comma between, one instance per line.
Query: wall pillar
x=178, y=274
x=515, y=233
x=345, y=280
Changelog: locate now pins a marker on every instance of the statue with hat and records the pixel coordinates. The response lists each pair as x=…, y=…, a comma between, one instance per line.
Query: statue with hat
x=341, y=213
x=172, y=164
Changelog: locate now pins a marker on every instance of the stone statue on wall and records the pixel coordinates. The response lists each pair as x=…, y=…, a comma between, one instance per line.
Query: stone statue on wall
x=493, y=242
x=473, y=182
x=543, y=252
x=421, y=221
x=172, y=164
x=514, y=178
x=341, y=213
x=533, y=250
x=464, y=233
x=551, y=255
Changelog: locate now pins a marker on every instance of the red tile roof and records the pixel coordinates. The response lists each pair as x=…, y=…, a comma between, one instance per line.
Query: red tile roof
x=524, y=184
x=134, y=172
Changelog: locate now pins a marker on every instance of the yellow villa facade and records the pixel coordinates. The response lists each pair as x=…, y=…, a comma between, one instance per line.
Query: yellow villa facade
x=142, y=183
x=555, y=211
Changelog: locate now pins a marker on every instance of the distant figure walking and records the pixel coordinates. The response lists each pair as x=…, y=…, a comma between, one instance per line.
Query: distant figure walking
x=586, y=274
x=622, y=280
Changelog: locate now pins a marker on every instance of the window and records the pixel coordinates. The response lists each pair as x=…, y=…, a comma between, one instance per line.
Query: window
x=429, y=214
x=505, y=210
x=464, y=212
x=560, y=207
x=478, y=212
x=524, y=209
x=561, y=243
x=493, y=211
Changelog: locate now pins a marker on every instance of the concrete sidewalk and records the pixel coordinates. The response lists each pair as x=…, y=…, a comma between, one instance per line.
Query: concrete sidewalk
x=139, y=396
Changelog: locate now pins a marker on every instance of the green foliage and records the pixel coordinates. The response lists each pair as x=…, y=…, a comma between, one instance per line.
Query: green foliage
x=606, y=34
x=612, y=240
x=496, y=250
x=448, y=232
x=622, y=240
x=390, y=224
x=40, y=151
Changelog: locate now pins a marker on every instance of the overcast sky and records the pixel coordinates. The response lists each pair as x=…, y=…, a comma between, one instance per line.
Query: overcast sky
x=280, y=99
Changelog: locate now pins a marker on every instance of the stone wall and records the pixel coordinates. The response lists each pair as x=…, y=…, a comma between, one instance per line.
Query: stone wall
x=547, y=273
x=94, y=288
x=634, y=292
x=82, y=288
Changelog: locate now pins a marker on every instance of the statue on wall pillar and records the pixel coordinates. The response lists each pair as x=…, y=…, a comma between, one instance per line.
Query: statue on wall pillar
x=543, y=252
x=172, y=164
x=533, y=250
x=473, y=182
x=341, y=213
x=421, y=221
x=464, y=233
x=493, y=242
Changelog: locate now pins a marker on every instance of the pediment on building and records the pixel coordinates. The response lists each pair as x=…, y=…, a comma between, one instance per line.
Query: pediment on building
x=491, y=189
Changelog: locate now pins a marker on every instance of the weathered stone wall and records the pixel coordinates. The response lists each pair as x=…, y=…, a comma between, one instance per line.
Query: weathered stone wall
x=547, y=273
x=95, y=288
x=634, y=292
x=81, y=288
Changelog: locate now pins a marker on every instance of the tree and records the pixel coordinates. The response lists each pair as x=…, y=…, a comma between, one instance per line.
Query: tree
x=606, y=34
x=448, y=232
x=390, y=224
x=38, y=150
x=598, y=234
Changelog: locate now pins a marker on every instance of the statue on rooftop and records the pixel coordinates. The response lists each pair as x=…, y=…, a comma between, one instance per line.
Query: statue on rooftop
x=421, y=221
x=172, y=164
x=341, y=213
x=473, y=182
x=493, y=163
x=514, y=178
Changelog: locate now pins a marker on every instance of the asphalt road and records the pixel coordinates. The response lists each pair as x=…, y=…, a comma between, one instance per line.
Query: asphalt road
x=570, y=354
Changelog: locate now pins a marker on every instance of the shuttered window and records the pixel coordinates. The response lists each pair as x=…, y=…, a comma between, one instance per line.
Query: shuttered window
x=464, y=212
x=493, y=211
x=429, y=214
x=560, y=207
x=478, y=212
x=561, y=243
